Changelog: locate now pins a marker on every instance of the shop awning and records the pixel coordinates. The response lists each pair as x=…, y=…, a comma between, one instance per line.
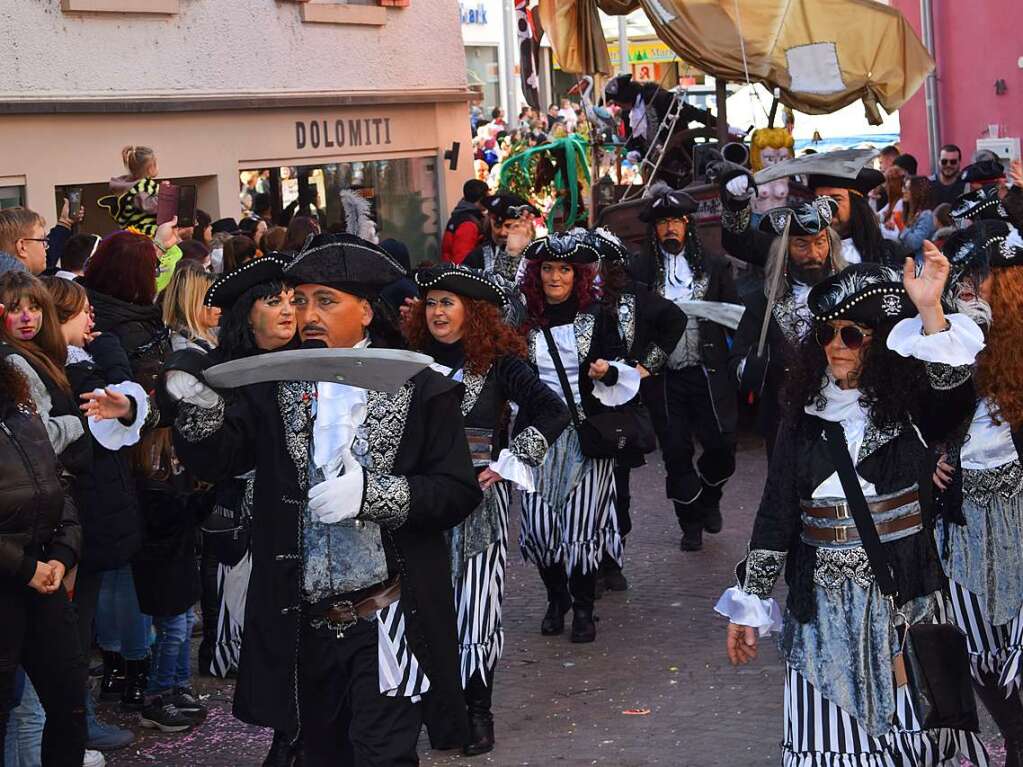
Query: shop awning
x=821, y=54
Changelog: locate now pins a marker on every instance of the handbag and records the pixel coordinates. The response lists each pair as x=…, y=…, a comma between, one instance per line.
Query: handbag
x=933, y=655
x=226, y=530
x=627, y=428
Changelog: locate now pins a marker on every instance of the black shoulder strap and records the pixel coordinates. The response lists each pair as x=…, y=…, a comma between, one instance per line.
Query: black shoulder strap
x=566, y=387
x=839, y=450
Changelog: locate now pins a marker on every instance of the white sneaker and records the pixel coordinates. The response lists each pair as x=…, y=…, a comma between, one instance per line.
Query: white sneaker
x=94, y=759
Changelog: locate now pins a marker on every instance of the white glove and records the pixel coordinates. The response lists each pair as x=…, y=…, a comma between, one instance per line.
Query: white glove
x=182, y=386
x=738, y=187
x=338, y=498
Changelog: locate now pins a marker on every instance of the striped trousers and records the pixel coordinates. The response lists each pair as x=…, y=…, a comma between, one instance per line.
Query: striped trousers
x=820, y=734
x=993, y=649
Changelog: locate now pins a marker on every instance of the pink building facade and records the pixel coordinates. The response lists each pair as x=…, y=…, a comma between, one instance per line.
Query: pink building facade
x=977, y=44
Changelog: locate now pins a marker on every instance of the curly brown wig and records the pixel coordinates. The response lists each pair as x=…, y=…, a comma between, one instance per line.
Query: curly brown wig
x=1000, y=365
x=584, y=290
x=485, y=336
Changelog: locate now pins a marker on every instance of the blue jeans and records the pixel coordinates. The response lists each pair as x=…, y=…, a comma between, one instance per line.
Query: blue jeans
x=120, y=625
x=171, y=665
x=24, y=743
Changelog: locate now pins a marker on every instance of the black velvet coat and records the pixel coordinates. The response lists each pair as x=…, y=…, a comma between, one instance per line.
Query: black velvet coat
x=416, y=435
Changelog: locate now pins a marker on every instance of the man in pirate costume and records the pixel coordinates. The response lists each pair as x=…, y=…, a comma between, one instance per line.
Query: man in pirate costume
x=884, y=373
x=694, y=400
x=511, y=229
x=804, y=250
x=854, y=220
x=980, y=474
x=351, y=632
x=650, y=327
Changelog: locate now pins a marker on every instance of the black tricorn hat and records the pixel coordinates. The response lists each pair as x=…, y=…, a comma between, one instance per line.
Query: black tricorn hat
x=224, y=225
x=505, y=205
x=346, y=263
x=807, y=218
x=569, y=247
x=865, y=180
x=982, y=204
x=470, y=283
x=1001, y=242
x=985, y=170
x=607, y=244
x=869, y=294
x=965, y=253
x=671, y=203
x=228, y=287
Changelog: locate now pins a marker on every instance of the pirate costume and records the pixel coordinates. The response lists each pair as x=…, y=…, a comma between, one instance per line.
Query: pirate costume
x=568, y=519
x=982, y=516
x=761, y=372
x=843, y=705
x=694, y=401
x=350, y=635
x=479, y=545
x=491, y=257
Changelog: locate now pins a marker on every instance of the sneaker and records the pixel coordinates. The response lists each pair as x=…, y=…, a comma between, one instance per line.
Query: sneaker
x=159, y=715
x=185, y=701
x=94, y=759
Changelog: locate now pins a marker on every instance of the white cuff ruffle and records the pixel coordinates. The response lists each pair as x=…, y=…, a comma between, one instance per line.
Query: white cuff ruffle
x=514, y=470
x=112, y=434
x=748, y=610
x=957, y=346
x=625, y=388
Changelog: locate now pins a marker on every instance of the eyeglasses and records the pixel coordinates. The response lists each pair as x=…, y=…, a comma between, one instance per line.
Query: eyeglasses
x=949, y=162
x=45, y=242
x=852, y=336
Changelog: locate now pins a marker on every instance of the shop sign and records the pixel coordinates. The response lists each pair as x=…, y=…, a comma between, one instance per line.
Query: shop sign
x=474, y=15
x=358, y=132
x=641, y=53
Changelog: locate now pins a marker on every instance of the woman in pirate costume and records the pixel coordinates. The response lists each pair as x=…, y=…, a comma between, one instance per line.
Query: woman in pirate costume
x=981, y=478
x=459, y=323
x=568, y=520
x=880, y=384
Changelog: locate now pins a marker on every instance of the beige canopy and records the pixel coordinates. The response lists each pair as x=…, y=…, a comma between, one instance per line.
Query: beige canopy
x=821, y=54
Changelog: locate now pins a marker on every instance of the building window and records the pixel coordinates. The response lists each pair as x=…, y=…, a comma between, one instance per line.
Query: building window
x=11, y=197
x=483, y=72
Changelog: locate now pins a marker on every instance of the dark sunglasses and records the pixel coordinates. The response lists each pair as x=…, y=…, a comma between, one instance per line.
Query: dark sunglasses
x=950, y=162
x=852, y=336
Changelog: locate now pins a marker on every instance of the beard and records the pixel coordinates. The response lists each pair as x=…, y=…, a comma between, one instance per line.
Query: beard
x=671, y=245
x=809, y=274
x=977, y=309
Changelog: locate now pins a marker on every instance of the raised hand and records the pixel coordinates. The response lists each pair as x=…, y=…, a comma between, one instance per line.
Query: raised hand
x=925, y=289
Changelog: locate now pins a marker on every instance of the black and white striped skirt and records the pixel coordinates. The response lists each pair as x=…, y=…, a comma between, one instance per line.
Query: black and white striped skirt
x=479, y=593
x=820, y=734
x=401, y=676
x=993, y=649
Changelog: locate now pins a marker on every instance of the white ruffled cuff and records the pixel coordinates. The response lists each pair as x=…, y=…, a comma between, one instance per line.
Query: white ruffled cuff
x=112, y=434
x=514, y=470
x=957, y=346
x=747, y=610
x=625, y=388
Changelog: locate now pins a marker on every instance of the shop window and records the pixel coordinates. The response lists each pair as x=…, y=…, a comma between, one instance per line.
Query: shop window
x=402, y=194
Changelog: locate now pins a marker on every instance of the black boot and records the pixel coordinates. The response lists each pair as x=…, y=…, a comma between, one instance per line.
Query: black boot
x=559, y=601
x=610, y=575
x=280, y=754
x=478, y=695
x=584, y=627
x=690, y=519
x=709, y=503
x=136, y=679
x=1007, y=713
x=112, y=684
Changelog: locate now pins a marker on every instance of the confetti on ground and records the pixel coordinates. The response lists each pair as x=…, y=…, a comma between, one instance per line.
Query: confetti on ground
x=636, y=711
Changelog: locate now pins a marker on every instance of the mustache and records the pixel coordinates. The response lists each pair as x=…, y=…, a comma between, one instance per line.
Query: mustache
x=810, y=274
x=313, y=327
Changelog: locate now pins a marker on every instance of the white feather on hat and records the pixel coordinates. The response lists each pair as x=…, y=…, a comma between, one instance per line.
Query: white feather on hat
x=358, y=217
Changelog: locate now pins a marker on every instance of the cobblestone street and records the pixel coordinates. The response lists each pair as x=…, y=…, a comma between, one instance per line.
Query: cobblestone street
x=659, y=656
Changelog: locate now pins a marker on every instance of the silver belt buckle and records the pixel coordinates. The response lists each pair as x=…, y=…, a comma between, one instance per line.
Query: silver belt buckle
x=841, y=534
x=843, y=510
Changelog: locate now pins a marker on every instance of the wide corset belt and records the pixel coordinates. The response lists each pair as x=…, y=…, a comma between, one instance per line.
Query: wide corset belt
x=480, y=445
x=819, y=530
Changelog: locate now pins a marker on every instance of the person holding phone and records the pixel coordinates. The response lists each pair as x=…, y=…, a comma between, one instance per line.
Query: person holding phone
x=134, y=200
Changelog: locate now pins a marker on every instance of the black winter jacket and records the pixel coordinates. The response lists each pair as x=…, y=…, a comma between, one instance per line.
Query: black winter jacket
x=38, y=521
x=141, y=332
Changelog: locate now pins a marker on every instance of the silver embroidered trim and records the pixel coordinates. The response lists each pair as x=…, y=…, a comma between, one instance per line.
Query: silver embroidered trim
x=583, y=327
x=700, y=287
x=836, y=566
x=874, y=438
x=385, y=425
x=197, y=423
x=944, y=377
x=655, y=359
x=736, y=221
x=794, y=324
x=1004, y=481
x=763, y=567
x=530, y=446
x=473, y=386
x=627, y=319
x=152, y=417
x=387, y=500
x=531, y=345
x=294, y=399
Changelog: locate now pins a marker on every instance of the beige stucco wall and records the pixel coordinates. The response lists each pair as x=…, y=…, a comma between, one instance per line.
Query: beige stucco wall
x=224, y=46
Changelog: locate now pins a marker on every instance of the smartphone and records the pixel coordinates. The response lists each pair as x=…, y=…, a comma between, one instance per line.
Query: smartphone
x=166, y=202
x=74, y=200
x=186, y=205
